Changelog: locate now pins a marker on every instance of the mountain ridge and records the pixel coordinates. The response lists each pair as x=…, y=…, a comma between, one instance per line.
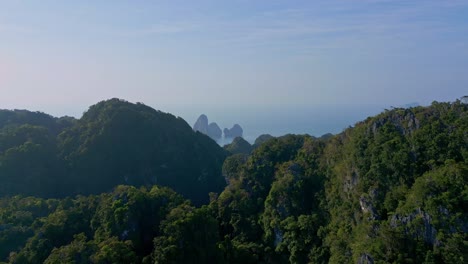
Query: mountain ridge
x=390, y=189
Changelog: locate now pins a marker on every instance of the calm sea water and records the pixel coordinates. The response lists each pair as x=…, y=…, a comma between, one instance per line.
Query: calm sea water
x=278, y=121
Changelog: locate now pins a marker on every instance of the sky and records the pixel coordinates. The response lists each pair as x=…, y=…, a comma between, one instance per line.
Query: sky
x=62, y=56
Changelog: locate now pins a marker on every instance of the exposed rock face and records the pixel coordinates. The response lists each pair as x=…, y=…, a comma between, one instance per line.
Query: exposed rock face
x=351, y=180
x=214, y=131
x=201, y=125
x=366, y=259
x=426, y=230
x=464, y=99
x=278, y=236
x=235, y=131
x=404, y=120
x=368, y=207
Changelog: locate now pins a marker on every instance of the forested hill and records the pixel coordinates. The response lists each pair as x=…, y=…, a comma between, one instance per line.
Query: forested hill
x=115, y=142
x=14, y=118
x=391, y=189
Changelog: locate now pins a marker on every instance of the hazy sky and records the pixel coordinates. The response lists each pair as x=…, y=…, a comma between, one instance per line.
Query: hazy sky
x=62, y=56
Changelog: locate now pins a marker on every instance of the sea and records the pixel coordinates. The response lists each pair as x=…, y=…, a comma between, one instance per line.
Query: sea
x=280, y=120
x=276, y=120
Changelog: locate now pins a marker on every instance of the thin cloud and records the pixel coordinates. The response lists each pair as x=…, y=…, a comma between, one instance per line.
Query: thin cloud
x=14, y=28
x=159, y=29
x=400, y=21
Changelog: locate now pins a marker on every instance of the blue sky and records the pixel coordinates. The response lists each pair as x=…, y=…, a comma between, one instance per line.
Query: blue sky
x=62, y=56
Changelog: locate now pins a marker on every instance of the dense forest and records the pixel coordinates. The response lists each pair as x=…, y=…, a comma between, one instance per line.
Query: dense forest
x=128, y=184
x=115, y=142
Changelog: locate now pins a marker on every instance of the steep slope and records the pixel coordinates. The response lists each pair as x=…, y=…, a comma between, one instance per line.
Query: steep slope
x=114, y=227
x=373, y=169
x=23, y=117
x=239, y=146
x=29, y=163
x=392, y=189
x=117, y=142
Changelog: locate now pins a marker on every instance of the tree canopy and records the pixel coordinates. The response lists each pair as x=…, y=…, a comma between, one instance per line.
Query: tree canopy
x=391, y=189
x=115, y=142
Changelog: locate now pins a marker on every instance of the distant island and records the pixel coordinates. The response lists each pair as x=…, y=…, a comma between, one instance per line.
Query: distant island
x=235, y=131
x=213, y=131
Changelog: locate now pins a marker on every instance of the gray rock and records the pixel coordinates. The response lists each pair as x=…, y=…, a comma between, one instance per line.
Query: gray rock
x=404, y=121
x=201, y=125
x=278, y=236
x=235, y=131
x=368, y=207
x=366, y=259
x=426, y=231
x=351, y=180
x=214, y=131
x=464, y=99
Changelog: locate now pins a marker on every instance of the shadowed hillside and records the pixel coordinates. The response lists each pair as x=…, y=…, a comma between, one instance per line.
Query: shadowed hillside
x=391, y=189
x=115, y=142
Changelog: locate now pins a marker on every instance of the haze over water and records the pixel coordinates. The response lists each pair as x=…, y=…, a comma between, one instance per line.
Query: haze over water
x=62, y=56
x=281, y=120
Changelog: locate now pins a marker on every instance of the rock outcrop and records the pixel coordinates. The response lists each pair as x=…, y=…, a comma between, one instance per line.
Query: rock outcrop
x=212, y=130
x=425, y=229
x=365, y=259
x=235, y=131
x=368, y=207
x=464, y=99
x=201, y=125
